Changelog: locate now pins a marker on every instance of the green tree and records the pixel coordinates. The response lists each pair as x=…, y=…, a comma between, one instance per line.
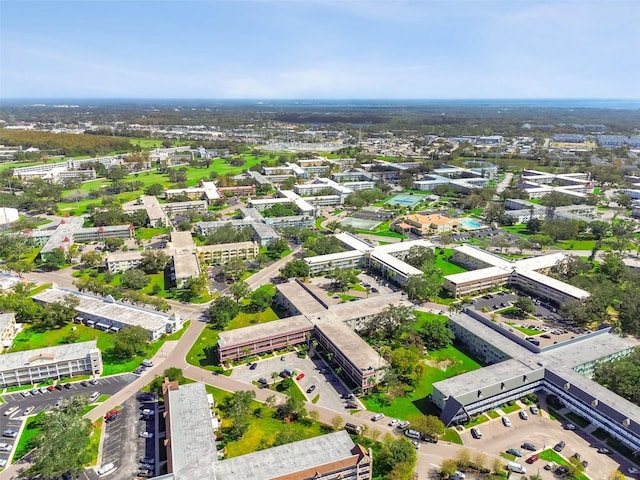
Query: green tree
x=261, y=299
x=153, y=261
x=423, y=287
x=395, y=451
x=292, y=410
x=62, y=444
x=129, y=342
x=113, y=244
x=277, y=247
x=234, y=269
x=91, y=259
x=135, y=279
x=222, y=311
x=53, y=260
x=295, y=269
x=418, y=256
x=436, y=335
x=342, y=278
x=155, y=190
x=389, y=323
x=525, y=305
x=427, y=425
x=239, y=290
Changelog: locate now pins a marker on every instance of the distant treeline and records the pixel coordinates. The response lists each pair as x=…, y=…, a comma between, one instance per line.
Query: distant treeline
x=68, y=144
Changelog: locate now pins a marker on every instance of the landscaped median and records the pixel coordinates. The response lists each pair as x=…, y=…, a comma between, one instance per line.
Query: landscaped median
x=551, y=455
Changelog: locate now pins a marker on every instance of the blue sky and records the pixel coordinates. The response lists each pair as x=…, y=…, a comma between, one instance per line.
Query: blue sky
x=420, y=49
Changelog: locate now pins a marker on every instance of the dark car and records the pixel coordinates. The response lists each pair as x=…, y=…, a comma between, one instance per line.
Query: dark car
x=558, y=447
x=429, y=439
x=529, y=446
x=545, y=335
x=84, y=383
x=561, y=471
x=67, y=386
x=351, y=405
x=604, y=450
x=253, y=366
x=533, y=458
x=263, y=381
x=311, y=388
x=515, y=452
x=138, y=371
x=58, y=387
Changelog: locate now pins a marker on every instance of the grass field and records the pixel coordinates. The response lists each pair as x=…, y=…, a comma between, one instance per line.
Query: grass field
x=551, y=455
x=198, y=354
x=526, y=331
x=442, y=262
x=247, y=319
x=31, y=429
x=29, y=340
x=477, y=421
x=511, y=408
x=94, y=443
x=493, y=414
x=440, y=365
x=450, y=435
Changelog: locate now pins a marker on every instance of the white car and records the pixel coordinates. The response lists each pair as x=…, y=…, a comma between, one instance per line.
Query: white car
x=5, y=447
x=28, y=410
x=523, y=415
x=377, y=417
x=3, y=462
x=393, y=422
x=506, y=422
x=633, y=470
x=12, y=410
x=148, y=411
x=146, y=434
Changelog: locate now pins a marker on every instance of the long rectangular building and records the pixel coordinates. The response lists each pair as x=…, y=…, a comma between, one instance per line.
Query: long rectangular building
x=106, y=314
x=34, y=366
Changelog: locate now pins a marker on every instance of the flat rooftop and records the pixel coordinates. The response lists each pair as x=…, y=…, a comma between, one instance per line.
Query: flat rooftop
x=353, y=242
x=333, y=257
x=551, y=282
x=396, y=264
x=300, y=298
x=359, y=352
x=182, y=240
x=483, y=256
x=264, y=330
x=193, y=442
x=45, y=356
x=287, y=459
x=186, y=265
x=367, y=306
x=108, y=309
x=539, y=262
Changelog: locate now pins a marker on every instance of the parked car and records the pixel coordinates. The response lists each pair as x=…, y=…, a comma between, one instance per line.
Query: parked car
x=51, y=388
x=147, y=412
x=569, y=426
x=402, y=425
x=523, y=415
x=84, y=383
x=534, y=410
x=5, y=447
x=393, y=422
x=529, y=446
x=58, y=387
x=351, y=405
x=43, y=390
x=111, y=415
x=558, y=447
x=300, y=376
x=28, y=410
x=35, y=391
x=147, y=460
x=604, y=450
x=506, y=422
x=633, y=470
x=561, y=471
x=67, y=386
x=550, y=466
x=11, y=410
x=377, y=417
x=311, y=388
x=476, y=433
x=533, y=458
x=253, y=366
x=93, y=381
x=515, y=452
x=146, y=434
x=10, y=433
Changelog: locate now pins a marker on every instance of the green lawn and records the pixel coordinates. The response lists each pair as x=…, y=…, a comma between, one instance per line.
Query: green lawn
x=28, y=339
x=148, y=233
x=450, y=435
x=31, y=429
x=576, y=244
x=477, y=421
x=493, y=414
x=446, y=266
x=94, y=443
x=526, y=331
x=247, y=319
x=510, y=408
x=441, y=364
x=520, y=229
x=201, y=353
x=294, y=391
x=551, y=455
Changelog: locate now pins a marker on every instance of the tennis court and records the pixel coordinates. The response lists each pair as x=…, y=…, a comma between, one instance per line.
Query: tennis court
x=405, y=200
x=360, y=223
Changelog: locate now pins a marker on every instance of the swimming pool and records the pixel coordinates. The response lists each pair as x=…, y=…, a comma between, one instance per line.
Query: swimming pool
x=470, y=223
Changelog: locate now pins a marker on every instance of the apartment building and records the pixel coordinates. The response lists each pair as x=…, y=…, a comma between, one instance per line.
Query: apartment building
x=64, y=361
x=8, y=329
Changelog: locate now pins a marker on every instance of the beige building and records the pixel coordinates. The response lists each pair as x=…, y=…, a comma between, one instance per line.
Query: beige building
x=424, y=225
x=224, y=252
x=8, y=329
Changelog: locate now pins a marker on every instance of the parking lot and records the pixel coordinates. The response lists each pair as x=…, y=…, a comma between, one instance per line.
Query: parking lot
x=122, y=444
x=327, y=384
x=543, y=433
x=29, y=405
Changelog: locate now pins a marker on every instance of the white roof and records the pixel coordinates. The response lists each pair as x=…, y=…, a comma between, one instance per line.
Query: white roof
x=353, y=242
x=483, y=256
x=403, y=246
x=396, y=263
x=554, y=284
x=320, y=259
x=537, y=263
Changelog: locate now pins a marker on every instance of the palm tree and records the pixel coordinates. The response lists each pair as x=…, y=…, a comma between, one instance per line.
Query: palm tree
x=274, y=376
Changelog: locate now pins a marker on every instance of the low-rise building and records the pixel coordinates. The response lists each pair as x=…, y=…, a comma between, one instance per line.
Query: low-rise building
x=104, y=313
x=63, y=361
x=431, y=224
x=8, y=329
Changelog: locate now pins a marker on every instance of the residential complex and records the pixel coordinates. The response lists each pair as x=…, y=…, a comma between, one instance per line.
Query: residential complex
x=191, y=448
x=104, y=313
x=519, y=368
x=8, y=329
x=34, y=366
x=488, y=272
